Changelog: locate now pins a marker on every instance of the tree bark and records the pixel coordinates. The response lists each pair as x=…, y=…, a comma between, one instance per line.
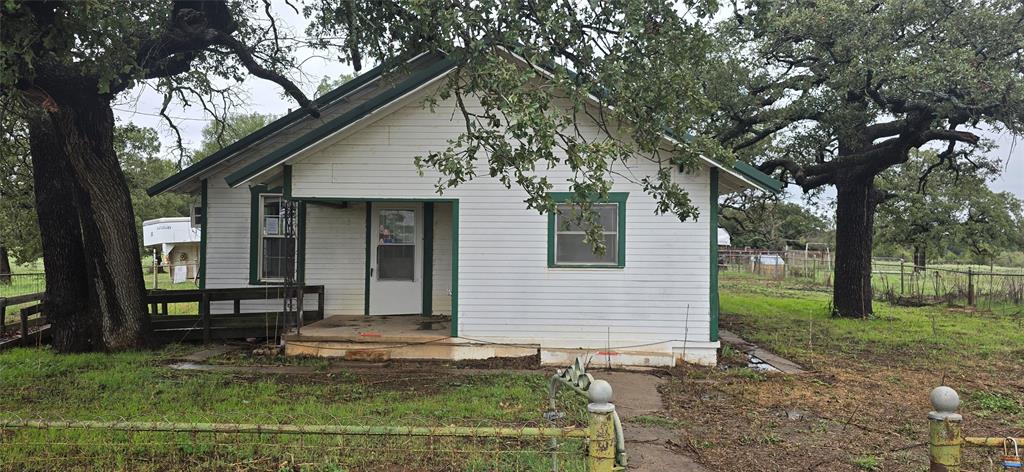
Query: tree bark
x=85, y=124
x=5, y=266
x=855, y=214
x=73, y=321
x=920, y=257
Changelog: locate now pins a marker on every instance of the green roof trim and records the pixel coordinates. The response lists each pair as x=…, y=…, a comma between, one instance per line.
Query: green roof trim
x=258, y=135
x=765, y=181
x=411, y=83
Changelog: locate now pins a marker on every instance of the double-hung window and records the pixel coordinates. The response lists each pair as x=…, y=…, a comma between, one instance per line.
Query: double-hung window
x=567, y=245
x=277, y=239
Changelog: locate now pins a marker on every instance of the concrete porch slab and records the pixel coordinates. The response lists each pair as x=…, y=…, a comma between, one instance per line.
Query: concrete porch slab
x=382, y=338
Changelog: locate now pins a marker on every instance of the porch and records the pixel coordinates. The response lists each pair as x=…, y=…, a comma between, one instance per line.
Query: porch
x=381, y=338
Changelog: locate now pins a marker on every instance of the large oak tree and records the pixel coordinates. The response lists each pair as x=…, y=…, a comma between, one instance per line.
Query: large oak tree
x=66, y=62
x=63, y=63
x=834, y=92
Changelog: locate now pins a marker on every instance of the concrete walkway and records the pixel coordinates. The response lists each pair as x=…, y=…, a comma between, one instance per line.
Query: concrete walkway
x=649, y=447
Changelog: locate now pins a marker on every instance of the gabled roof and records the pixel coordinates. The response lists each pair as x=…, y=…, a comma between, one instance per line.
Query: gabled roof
x=279, y=124
x=411, y=83
x=440, y=65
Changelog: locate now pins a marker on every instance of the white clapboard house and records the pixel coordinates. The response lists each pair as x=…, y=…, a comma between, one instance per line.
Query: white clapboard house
x=503, y=279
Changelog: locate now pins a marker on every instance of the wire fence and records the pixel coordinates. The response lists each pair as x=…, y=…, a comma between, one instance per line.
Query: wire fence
x=29, y=445
x=896, y=281
x=12, y=285
x=570, y=436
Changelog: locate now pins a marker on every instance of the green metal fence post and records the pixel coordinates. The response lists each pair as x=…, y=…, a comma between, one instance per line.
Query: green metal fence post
x=601, y=448
x=945, y=437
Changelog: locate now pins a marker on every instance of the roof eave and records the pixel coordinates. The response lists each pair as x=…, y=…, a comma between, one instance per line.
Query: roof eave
x=339, y=123
x=278, y=125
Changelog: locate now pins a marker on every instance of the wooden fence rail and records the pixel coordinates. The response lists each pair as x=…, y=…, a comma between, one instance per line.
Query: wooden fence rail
x=206, y=324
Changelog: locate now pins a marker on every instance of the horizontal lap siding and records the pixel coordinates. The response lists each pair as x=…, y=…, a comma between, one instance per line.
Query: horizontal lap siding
x=506, y=290
x=227, y=257
x=336, y=255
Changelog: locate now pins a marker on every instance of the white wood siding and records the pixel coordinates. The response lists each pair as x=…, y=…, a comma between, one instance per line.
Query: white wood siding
x=506, y=290
x=336, y=255
x=227, y=254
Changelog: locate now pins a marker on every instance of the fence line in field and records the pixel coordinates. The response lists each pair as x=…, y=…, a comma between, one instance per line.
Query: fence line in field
x=15, y=284
x=169, y=276
x=893, y=280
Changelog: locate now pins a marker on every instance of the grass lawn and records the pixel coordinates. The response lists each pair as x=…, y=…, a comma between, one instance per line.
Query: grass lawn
x=863, y=406
x=35, y=383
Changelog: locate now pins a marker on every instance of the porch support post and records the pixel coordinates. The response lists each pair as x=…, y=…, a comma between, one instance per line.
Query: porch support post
x=428, y=258
x=366, y=276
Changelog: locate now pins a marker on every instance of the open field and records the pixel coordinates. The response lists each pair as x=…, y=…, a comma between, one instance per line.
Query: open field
x=34, y=383
x=863, y=406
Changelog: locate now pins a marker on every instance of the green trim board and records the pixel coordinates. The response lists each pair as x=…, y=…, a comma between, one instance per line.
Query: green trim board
x=300, y=262
x=618, y=198
x=766, y=181
x=204, y=203
x=455, y=269
x=286, y=173
x=713, y=249
x=366, y=272
x=428, y=259
x=414, y=81
x=266, y=131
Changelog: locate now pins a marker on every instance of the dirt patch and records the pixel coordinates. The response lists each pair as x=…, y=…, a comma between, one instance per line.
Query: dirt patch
x=843, y=416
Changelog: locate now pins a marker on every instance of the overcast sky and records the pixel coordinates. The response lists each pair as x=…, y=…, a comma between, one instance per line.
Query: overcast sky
x=142, y=106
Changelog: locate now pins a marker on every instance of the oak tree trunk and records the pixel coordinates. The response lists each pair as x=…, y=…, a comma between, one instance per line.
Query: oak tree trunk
x=74, y=323
x=85, y=124
x=5, y=266
x=855, y=214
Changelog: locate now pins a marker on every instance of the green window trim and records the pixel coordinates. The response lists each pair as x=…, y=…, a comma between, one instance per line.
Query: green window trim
x=618, y=198
x=203, y=232
x=256, y=192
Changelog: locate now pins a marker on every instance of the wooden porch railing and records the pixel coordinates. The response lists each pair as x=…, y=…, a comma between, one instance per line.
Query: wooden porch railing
x=203, y=325
x=207, y=325
x=24, y=324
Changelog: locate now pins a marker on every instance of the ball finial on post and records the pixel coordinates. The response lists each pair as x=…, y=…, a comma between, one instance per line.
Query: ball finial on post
x=945, y=402
x=600, y=395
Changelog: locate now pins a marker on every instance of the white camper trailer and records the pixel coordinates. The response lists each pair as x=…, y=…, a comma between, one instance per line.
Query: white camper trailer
x=178, y=242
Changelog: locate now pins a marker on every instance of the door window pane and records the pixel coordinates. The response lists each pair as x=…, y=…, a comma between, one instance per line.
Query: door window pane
x=396, y=244
x=397, y=227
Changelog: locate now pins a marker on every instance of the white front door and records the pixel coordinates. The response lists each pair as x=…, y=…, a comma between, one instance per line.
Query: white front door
x=396, y=259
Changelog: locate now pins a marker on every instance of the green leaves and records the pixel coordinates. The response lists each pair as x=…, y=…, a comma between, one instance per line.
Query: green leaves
x=588, y=87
